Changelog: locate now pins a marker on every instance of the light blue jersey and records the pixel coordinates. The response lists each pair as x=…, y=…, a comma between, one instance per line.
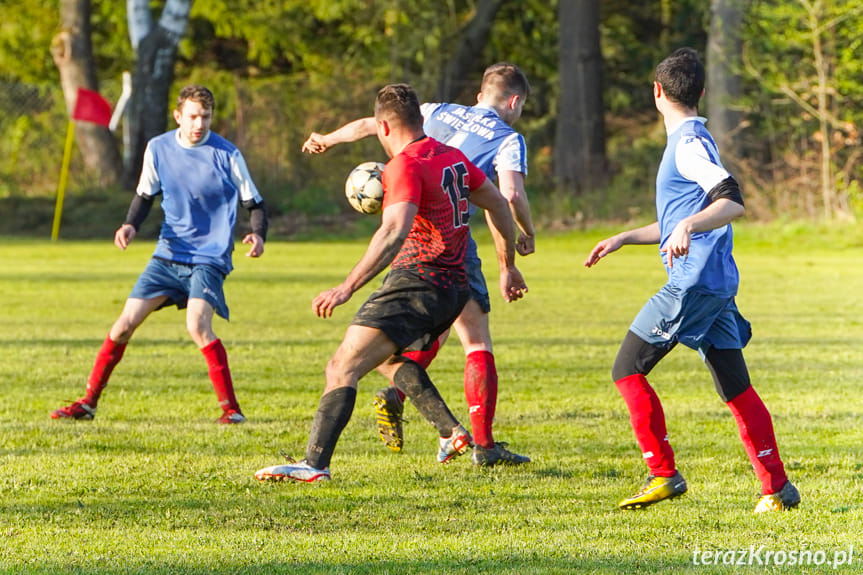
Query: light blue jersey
x=487, y=141
x=492, y=145
x=689, y=169
x=201, y=186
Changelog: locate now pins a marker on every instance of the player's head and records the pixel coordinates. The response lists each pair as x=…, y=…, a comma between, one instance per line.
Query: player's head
x=398, y=103
x=681, y=76
x=505, y=88
x=194, y=113
x=397, y=110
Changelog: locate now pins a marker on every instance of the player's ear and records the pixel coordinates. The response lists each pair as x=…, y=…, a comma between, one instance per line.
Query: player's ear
x=513, y=101
x=177, y=116
x=384, y=127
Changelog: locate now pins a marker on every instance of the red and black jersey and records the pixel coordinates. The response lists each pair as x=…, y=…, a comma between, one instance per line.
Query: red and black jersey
x=437, y=178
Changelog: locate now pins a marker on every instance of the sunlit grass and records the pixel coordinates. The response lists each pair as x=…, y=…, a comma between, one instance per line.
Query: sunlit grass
x=154, y=486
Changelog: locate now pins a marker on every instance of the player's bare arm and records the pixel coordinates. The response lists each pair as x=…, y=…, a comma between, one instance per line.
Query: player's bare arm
x=350, y=132
x=646, y=235
x=512, y=187
x=124, y=235
x=502, y=227
x=719, y=213
x=385, y=244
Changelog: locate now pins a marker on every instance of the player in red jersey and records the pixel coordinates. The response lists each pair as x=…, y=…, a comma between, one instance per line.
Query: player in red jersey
x=423, y=234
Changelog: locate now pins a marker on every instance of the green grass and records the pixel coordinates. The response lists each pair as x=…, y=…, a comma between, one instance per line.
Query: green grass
x=154, y=486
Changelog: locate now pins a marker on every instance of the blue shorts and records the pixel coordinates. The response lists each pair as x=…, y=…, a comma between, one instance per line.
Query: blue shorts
x=475, y=279
x=696, y=319
x=180, y=282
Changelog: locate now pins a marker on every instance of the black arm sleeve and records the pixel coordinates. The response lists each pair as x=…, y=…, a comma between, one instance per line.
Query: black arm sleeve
x=138, y=211
x=257, y=217
x=727, y=189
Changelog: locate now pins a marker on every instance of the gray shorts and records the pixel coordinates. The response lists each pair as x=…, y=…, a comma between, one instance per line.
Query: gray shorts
x=475, y=278
x=179, y=282
x=696, y=319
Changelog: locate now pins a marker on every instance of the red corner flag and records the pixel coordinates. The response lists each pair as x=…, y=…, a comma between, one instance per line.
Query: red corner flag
x=92, y=107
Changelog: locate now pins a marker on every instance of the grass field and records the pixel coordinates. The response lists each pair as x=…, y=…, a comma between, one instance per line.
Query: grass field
x=152, y=485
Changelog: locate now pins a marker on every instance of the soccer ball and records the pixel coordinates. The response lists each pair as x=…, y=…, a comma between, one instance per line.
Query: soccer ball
x=364, y=187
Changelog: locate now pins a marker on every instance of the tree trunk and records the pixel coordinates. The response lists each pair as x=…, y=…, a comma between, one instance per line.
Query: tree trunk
x=466, y=61
x=73, y=56
x=154, y=72
x=724, y=66
x=580, y=159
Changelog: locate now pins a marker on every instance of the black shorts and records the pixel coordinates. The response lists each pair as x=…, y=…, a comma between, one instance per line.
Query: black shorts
x=410, y=311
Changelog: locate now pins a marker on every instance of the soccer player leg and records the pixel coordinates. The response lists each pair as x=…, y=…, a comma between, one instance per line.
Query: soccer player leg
x=111, y=352
x=480, y=372
x=362, y=349
x=412, y=379
x=635, y=359
x=754, y=423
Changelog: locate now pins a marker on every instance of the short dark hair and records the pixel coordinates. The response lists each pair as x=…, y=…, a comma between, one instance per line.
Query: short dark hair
x=681, y=76
x=399, y=102
x=503, y=80
x=198, y=94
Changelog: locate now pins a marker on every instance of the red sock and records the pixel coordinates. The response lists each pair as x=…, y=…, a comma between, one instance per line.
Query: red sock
x=480, y=390
x=648, y=423
x=756, y=431
x=220, y=374
x=424, y=358
x=108, y=357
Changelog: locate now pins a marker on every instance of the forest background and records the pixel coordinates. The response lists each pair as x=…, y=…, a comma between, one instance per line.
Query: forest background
x=783, y=97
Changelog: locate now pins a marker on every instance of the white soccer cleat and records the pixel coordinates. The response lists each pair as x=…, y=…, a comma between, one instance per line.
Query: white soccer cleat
x=296, y=471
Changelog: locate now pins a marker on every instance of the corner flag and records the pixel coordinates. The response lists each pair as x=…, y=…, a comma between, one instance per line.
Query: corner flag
x=90, y=106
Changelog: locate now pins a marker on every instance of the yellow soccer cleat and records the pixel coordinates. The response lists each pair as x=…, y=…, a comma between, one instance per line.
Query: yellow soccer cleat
x=786, y=498
x=389, y=408
x=655, y=489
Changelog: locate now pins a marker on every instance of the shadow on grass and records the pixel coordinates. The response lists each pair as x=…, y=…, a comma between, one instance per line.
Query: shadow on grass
x=514, y=566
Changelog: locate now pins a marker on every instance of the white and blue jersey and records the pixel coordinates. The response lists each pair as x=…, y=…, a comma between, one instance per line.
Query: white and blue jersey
x=487, y=141
x=201, y=187
x=689, y=169
x=490, y=144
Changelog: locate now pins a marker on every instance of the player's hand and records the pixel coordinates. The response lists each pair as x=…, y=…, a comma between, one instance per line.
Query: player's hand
x=124, y=235
x=326, y=301
x=257, y=249
x=315, y=144
x=512, y=285
x=602, y=249
x=525, y=245
x=678, y=243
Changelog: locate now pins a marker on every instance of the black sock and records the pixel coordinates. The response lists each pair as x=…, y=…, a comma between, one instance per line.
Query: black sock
x=414, y=382
x=332, y=416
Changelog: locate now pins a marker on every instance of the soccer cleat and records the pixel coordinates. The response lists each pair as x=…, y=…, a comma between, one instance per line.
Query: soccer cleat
x=389, y=408
x=456, y=444
x=499, y=454
x=655, y=489
x=293, y=470
x=231, y=416
x=786, y=498
x=77, y=410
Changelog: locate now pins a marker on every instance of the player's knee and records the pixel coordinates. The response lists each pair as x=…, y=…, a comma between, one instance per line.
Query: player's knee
x=622, y=368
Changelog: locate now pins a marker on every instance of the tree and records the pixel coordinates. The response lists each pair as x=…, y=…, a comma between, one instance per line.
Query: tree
x=463, y=63
x=724, y=68
x=73, y=55
x=156, y=50
x=580, y=159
